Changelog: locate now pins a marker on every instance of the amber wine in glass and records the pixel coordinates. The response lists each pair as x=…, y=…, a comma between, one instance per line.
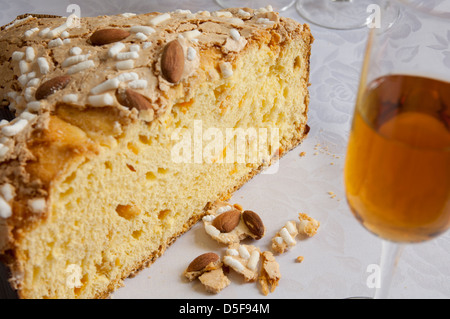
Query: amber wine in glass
x=397, y=172
x=398, y=161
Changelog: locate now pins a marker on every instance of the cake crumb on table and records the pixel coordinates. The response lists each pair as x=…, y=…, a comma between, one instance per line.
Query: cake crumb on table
x=308, y=225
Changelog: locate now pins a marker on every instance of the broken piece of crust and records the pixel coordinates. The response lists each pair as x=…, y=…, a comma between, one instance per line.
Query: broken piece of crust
x=243, y=259
x=214, y=281
x=96, y=170
x=285, y=238
x=203, y=263
x=270, y=273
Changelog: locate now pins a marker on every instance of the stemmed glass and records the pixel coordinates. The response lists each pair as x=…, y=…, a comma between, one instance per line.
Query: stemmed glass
x=397, y=172
x=278, y=5
x=344, y=14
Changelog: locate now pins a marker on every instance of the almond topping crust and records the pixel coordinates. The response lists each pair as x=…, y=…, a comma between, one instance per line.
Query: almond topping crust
x=107, y=36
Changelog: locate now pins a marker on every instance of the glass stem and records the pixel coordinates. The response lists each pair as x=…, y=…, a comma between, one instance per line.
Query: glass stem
x=390, y=253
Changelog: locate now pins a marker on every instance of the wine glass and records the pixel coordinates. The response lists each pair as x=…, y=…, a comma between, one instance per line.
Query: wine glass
x=397, y=172
x=441, y=6
x=279, y=5
x=345, y=14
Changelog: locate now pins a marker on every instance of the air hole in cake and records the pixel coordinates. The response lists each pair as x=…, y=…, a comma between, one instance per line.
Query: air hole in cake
x=131, y=168
x=266, y=104
x=177, y=121
x=137, y=234
x=281, y=118
x=68, y=205
x=243, y=99
x=102, y=268
x=297, y=62
x=273, y=113
x=219, y=90
x=132, y=147
x=50, y=247
x=36, y=273
x=128, y=211
x=145, y=140
x=163, y=214
x=66, y=193
x=150, y=176
x=184, y=106
x=276, y=69
x=70, y=178
x=79, y=290
x=108, y=165
x=286, y=92
x=270, y=150
x=162, y=171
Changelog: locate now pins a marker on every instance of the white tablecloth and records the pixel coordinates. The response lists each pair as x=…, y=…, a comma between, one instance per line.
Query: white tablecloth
x=336, y=260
